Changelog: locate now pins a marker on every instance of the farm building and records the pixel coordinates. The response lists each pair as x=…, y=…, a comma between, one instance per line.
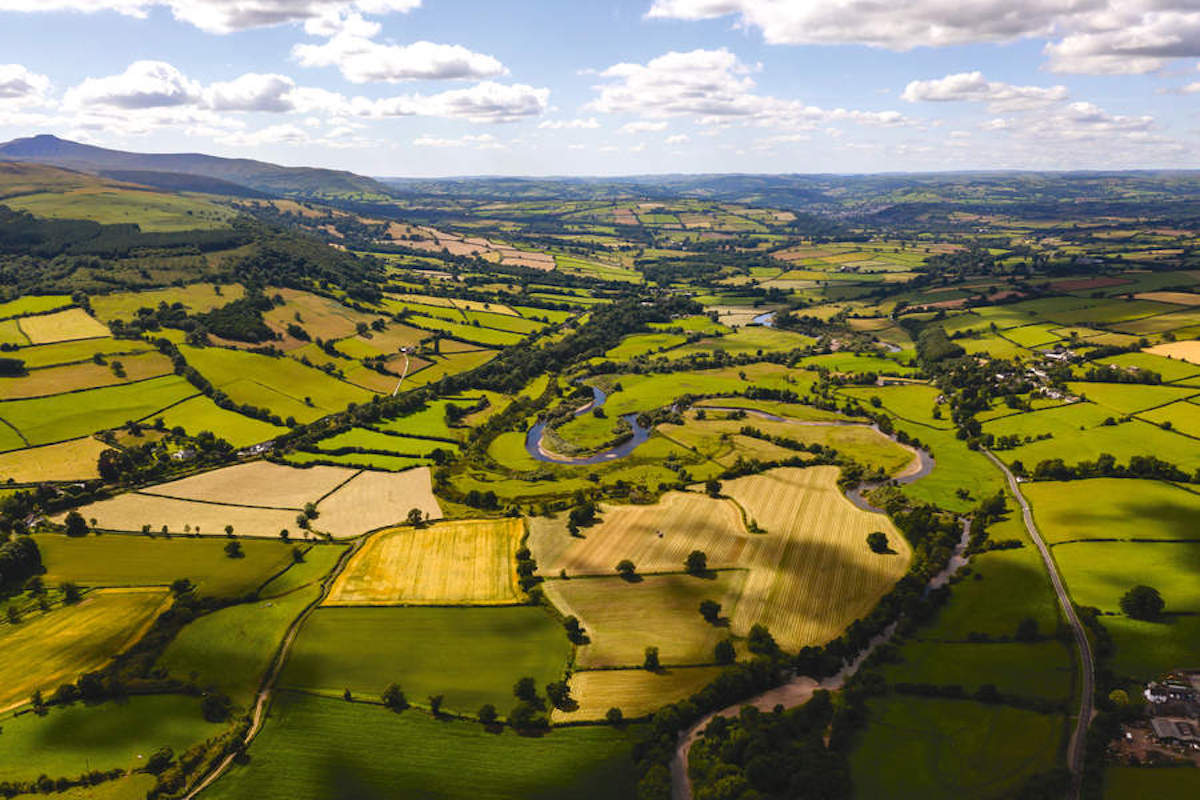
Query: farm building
x=1175, y=731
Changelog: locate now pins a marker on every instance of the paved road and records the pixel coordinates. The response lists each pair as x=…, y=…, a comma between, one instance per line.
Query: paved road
x=263, y=701
x=1087, y=662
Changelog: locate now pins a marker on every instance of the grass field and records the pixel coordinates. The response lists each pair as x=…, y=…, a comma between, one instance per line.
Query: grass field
x=1122, y=441
x=257, y=483
x=1042, y=669
x=319, y=560
x=232, y=648
x=926, y=749
x=110, y=205
x=293, y=760
x=637, y=692
x=198, y=298
x=140, y=561
x=914, y=402
x=464, y=561
x=70, y=416
x=34, y=304
x=1134, y=783
x=71, y=740
x=61, y=326
x=644, y=344
x=812, y=572
x=623, y=618
x=688, y=521
x=72, y=460
x=472, y=655
x=69, y=641
x=49, y=355
x=1129, y=398
x=88, y=375
x=1098, y=573
x=1113, y=508
x=202, y=414
x=373, y=500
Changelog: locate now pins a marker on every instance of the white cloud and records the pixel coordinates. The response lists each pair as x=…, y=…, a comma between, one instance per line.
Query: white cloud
x=362, y=60
x=253, y=92
x=973, y=87
x=643, y=126
x=716, y=88
x=570, y=124
x=20, y=86
x=679, y=138
x=222, y=16
x=144, y=84
x=1090, y=36
x=483, y=141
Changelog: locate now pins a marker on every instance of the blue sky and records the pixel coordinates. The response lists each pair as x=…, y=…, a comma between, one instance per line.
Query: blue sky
x=453, y=87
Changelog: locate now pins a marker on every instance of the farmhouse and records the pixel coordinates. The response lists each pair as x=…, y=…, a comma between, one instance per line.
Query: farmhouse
x=1176, y=731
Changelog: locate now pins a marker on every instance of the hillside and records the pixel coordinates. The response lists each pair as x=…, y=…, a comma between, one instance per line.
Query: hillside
x=256, y=175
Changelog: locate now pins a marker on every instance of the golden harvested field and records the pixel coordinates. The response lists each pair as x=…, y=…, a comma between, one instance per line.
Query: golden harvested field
x=687, y=520
x=61, y=326
x=812, y=574
x=69, y=641
x=88, y=375
x=464, y=561
x=129, y=512
x=636, y=692
x=1177, y=298
x=373, y=500
x=1185, y=351
x=258, y=483
x=65, y=461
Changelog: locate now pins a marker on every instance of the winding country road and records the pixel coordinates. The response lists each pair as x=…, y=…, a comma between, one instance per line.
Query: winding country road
x=263, y=701
x=1087, y=662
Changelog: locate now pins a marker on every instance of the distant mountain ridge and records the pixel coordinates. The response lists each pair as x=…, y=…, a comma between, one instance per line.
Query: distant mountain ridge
x=166, y=170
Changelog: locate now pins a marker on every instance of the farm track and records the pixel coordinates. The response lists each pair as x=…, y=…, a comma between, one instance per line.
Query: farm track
x=1077, y=749
x=262, y=701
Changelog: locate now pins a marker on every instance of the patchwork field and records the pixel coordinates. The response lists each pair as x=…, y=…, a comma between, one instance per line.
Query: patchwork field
x=61, y=326
x=88, y=375
x=637, y=692
x=69, y=641
x=464, y=561
x=130, y=511
x=71, y=460
x=202, y=414
x=1112, y=508
x=1185, y=351
x=260, y=484
x=373, y=500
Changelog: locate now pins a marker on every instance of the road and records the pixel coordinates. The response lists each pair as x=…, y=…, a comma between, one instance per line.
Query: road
x=1087, y=662
x=263, y=701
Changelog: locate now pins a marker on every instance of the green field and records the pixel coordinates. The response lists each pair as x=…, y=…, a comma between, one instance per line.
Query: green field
x=202, y=414
x=315, y=748
x=928, y=749
x=319, y=561
x=49, y=355
x=1129, y=398
x=71, y=740
x=1043, y=669
x=471, y=655
x=1135, y=783
x=644, y=344
x=198, y=298
x=151, y=211
x=34, y=304
x=1113, y=508
x=120, y=560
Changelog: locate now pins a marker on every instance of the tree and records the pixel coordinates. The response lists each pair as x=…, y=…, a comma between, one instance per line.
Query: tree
x=487, y=714
x=614, y=716
x=525, y=718
x=574, y=630
x=1142, y=602
x=696, y=563
x=626, y=569
x=1027, y=630
x=229, y=530
x=710, y=610
x=435, y=704
x=284, y=535
x=76, y=524
x=651, y=662
x=878, y=542
x=71, y=593
x=526, y=690
x=394, y=698
x=181, y=586
x=216, y=707
x=158, y=762
x=713, y=487
x=724, y=652
x=234, y=549
x=348, y=696
x=414, y=517
x=559, y=693
x=760, y=642
x=297, y=555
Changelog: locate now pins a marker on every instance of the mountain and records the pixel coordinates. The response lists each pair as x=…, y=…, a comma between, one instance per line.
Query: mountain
x=259, y=176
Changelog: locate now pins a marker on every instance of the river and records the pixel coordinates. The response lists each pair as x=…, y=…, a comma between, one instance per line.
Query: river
x=537, y=448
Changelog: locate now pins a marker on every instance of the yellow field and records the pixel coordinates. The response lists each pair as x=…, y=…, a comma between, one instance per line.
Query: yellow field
x=129, y=512
x=812, y=574
x=65, y=461
x=322, y=317
x=687, y=520
x=258, y=483
x=197, y=297
x=374, y=500
x=1177, y=298
x=464, y=561
x=57, y=647
x=88, y=375
x=1185, y=351
x=636, y=692
x=61, y=326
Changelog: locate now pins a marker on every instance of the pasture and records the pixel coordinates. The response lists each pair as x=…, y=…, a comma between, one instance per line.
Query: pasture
x=34, y=304
x=622, y=618
x=637, y=692
x=1041, y=669
x=1098, y=573
x=1112, y=508
x=319, y=560
x=71, y=460
x=447, y=760
x=202, y=414
x=66, y=642
x=1135, y=783
x=112, y=204
x=49, y=355
x=61, y=326
x=373, y=500
x=472, y=655
x=198, y=298
x=464, y=561
x=87, y=375
x=113, y=560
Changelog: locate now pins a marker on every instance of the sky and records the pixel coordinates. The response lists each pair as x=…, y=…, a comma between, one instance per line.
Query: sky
x=428, y=88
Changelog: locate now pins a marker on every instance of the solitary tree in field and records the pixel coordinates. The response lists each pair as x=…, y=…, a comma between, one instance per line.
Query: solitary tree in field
x=76, y=524
x=626, y=569
x=713, y=487
x=878, y=542
x=1143, y=602
x=394, y=699
x=487, y=714
x=574, y=629
x=297, y=555
x=348, y=696
x=710, y=610
x=696, y=563
x=435, y=704
x=71, y=593
x=415, y=517
x=234, y=550
x=284, y=535
x=614, y=716
x=651, y=662
x=229, y=530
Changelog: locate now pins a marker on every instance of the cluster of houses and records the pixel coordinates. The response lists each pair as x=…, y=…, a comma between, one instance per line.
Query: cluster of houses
x=1174, y=710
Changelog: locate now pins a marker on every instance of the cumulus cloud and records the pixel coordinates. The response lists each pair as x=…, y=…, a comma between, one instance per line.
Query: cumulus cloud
x=714, y=87
x=679, y=138
x=973, y=87
x=483, y=141
x=222, y=16
x=570, y=124
x=1089, y=36
x=484, y=102
x=144, y=84
x=362, y=60
x=253, y=92
x=20, y=86
x=643, y=126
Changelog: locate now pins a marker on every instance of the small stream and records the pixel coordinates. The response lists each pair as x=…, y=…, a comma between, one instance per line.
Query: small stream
x=536, y=448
